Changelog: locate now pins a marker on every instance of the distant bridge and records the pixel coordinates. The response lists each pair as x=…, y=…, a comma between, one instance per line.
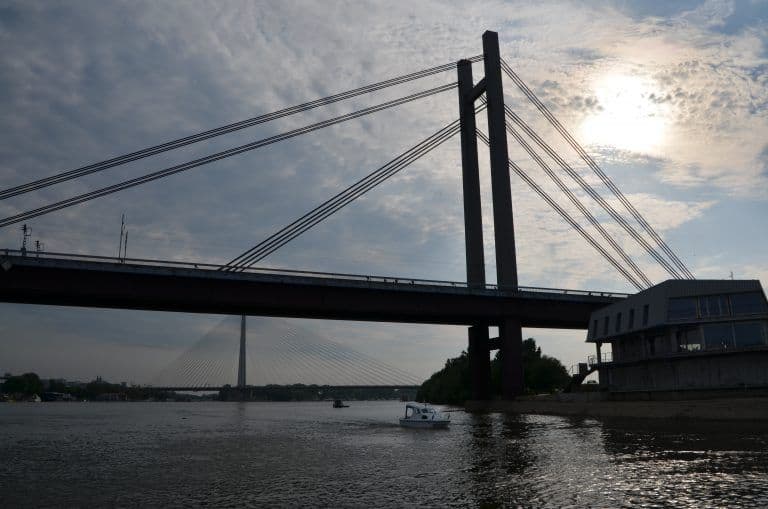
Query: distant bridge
x=261, y=388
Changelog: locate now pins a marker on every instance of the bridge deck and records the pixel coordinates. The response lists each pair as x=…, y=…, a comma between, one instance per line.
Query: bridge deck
x=75, y=280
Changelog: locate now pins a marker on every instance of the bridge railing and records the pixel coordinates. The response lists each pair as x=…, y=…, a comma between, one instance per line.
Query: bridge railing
x=48, y=255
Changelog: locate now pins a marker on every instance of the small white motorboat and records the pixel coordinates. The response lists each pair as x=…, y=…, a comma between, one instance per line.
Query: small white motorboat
x=423, y=416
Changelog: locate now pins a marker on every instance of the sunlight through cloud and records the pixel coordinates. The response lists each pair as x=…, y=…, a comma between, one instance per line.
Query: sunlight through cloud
x=627, y=118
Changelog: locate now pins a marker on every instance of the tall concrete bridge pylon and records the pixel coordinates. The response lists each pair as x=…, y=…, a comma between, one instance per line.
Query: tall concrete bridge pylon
x=510, y=333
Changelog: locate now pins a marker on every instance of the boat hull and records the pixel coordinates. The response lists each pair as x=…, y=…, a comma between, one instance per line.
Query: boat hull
x=425, y=424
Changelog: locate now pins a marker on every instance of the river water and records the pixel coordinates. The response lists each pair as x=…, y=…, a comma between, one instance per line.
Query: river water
x=309, y=454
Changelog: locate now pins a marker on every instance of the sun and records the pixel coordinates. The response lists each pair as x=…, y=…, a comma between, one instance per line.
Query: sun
x=630, y=117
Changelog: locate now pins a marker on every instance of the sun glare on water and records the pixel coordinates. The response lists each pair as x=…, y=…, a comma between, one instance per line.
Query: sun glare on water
x=630, y=117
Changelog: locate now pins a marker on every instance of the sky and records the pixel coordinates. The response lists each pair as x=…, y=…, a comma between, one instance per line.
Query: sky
x=670, y=98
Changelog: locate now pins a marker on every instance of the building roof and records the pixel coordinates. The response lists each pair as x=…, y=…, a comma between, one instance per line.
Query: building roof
x=649, y=309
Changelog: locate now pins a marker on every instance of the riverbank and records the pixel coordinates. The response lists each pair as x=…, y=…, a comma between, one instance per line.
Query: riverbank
x=596, y=405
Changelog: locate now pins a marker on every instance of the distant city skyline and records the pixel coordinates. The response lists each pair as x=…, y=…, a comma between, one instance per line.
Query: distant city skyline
x=670, y=98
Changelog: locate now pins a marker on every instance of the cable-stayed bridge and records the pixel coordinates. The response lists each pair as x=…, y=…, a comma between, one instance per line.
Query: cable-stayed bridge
x=254, y=353
x=242, y=287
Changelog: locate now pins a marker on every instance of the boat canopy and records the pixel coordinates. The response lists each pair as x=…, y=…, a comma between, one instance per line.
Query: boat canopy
x=417, y=408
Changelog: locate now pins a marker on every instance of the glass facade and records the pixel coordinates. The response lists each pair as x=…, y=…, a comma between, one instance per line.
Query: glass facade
x=748, y=303
x=715, y=306
x=682, y=308
x=718, y=336
x=689, y=340
x=748, y=334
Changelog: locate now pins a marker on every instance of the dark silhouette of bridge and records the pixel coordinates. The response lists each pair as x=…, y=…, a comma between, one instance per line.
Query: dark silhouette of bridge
x=241, y=288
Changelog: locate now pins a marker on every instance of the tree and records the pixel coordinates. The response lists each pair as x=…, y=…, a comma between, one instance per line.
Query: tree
x=451, y=384
x=26, y=384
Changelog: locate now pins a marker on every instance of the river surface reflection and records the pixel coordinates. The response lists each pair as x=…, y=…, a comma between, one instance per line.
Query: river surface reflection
x=309, y=454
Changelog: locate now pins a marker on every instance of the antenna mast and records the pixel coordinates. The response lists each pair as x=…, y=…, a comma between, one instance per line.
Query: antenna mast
x=122, y=232
x=26, y=232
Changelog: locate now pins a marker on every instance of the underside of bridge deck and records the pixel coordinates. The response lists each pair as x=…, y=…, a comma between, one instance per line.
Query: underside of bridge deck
x=114, y=285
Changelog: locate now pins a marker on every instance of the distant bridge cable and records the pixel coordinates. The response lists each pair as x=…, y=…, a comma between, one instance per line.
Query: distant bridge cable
x=594, y=166
x=219, y=131
x=592, y=192
x=217, y=156
x=564, y=214
x=343, y=198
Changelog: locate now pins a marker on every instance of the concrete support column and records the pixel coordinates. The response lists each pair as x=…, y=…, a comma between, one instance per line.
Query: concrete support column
x=598, y=345
x=503, y=225
x=511, y=337
x=241, y=359
x=479, y=362
x=470, y=174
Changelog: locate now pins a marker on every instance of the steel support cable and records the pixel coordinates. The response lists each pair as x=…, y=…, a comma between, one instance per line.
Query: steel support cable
x=274, y=244
x=575, y=200
x=592, y=192
x=186, y=363
x=189, y=367
x=595, y=167
x=390, y=373
x=383, y=369
x=217, y=156
x=564, y=214
x=219, y=131
x=302, y=360
x=333, y=204
x=338, y=353
x=285, y=361
x=350, y=190
x=193, y=376
x=367, y=376
x=301, y=346
x=204, y=372
x=360, y=362
x=169, y=372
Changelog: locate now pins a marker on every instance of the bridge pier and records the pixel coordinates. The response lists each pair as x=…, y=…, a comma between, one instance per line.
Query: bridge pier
x=511, y=346
x=241, y=359
x=479, y=362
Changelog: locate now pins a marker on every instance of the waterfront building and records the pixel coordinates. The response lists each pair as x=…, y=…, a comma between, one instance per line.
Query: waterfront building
x=684, y=335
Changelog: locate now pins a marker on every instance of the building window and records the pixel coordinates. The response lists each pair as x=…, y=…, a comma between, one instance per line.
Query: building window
x=631, y=323
x=618, y=322
x=683, y=308
x=748, y=303
x=605, y=326
x=714, y=305
x=749, y=333
x=718, y=336
x=645, y=315
x=689, y=340
x=594, y=329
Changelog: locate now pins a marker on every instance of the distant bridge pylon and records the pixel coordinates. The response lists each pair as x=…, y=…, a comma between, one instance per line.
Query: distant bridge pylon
x=274, y=352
